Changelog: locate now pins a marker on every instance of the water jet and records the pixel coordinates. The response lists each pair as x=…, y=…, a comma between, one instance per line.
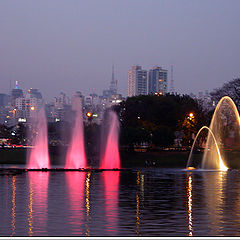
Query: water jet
x=223, y=133
x=111, y=157
x=38, y=156
x=76, y=157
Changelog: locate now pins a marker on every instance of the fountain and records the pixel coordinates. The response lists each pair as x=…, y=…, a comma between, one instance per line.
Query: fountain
x=111, y=158
x=38, y=157
x=223, y=134
x=76, y=157
x=218, y=162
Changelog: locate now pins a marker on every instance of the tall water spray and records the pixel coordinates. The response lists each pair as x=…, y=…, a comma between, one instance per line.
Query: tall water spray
x=76, y=157
x=223, y=134
x=225, y=126
x=38, y=156
x=219, y=160
x=111, y=157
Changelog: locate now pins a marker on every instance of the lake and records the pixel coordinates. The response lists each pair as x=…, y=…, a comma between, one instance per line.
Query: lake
x=144, y=202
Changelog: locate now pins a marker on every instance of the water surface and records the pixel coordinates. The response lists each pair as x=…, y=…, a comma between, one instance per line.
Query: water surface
x=153, y=202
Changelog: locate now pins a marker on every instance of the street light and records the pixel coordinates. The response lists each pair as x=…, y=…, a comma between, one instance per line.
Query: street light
x=89, y=114
x=190, y=116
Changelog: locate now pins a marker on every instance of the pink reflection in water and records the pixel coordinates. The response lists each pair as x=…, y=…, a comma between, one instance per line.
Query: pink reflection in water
x=76, y=157
x=76, y=183
x=38, y=203
x=38, y=157
x=111, y=182
x=111, y=157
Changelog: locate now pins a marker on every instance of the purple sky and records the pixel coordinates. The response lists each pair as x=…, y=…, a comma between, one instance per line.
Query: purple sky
x=70, y=45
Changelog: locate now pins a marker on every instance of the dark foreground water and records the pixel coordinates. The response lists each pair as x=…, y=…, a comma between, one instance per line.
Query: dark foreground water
x=157, y=202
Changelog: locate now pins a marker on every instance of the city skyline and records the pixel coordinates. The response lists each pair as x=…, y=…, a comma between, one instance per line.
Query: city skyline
x=67, y=45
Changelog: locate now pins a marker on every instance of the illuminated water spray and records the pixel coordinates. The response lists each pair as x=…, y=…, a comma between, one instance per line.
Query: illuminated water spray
x=223, y=133
x=111, y=158
x=218, y=162
x=76, y=157
x=38, y=156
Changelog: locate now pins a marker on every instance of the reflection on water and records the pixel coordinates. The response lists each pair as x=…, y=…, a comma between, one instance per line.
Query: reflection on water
x=111, y=182
x=13, y=205
x=214, y=195
x=189, y=205
x=87, y=202
x=75, y=181
x=138, y=205
x=30, y=206
x=160, y=202
x=38, y=201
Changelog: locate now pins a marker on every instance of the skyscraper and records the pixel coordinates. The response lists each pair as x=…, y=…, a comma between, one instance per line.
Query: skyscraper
x=137, y=81
x=16, y=93
x=157, y=81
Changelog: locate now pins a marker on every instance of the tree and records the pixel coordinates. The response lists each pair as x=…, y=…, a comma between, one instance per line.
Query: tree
x=149, y=117
x=231, y=89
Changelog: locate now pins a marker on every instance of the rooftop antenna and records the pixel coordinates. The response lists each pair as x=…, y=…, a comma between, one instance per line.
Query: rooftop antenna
x=171, y=90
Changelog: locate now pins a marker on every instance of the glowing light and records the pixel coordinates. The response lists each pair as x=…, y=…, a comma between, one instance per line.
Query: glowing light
x=191, y=168
x=221, y=164
x=22, y=120
x=189, y=204
x=30, y=213
x=32, y=108
x=87, y=202
x=38, y=157
x=217, y=125
x=191, y=115
x=89, y=114
x=137, y=214
x=138, y=177
x=76, y=157
x=111, y=157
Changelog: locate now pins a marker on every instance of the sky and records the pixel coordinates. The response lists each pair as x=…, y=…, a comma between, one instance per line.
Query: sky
x=69, y=45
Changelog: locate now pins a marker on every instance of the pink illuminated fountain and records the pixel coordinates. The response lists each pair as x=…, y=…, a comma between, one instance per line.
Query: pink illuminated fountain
x=111, y=158
x=38, y=157
x=76, y=157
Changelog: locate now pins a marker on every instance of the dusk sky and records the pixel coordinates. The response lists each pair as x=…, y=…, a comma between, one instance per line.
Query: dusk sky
x=70, y=45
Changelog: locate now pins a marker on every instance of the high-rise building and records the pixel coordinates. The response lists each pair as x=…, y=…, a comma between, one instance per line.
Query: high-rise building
x=137, y=81
x=16, y=93
x=157, y=81
x=61, y=100
x=33, y=93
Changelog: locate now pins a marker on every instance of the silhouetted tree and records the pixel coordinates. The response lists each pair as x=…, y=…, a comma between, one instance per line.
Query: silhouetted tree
x=231, y=89
x=155, y=118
